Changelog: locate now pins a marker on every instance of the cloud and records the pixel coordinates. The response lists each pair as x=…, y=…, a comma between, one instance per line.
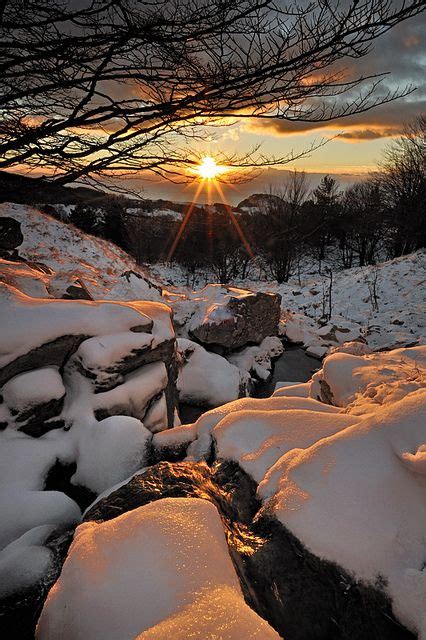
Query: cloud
x=401, y=53
x=384, y=121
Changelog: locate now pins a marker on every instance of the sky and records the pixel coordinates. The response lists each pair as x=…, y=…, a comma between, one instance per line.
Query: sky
x=360, y=139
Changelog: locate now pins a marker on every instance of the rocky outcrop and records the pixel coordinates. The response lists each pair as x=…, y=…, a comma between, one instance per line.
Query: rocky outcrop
x=300, y=595
x=243, y=319
x=10, y=236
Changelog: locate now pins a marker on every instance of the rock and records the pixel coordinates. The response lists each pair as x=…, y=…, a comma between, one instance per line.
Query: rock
x=207, y=379
x=10, y=234
x=33, y=398
x=77, y=291
x=55, y=353
x=299, y=594
x=129, y=275
x=317, y=351
x=244, y=319
x=20, y=611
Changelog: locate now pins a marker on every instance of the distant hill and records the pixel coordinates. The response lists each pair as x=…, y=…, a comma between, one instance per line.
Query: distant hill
x=26, y=190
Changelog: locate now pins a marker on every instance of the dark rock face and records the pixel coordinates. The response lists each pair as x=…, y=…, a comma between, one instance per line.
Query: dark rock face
x=10, y=234
x=302, y=596
x=77, y=291
x=55, y=353
x=37, y=420
x=129, y=274
x=19, y=613
x=252, y=318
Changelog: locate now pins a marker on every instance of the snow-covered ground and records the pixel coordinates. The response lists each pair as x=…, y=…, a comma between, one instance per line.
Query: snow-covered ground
x=70, y=255
x=383, y=304
x=339, y=460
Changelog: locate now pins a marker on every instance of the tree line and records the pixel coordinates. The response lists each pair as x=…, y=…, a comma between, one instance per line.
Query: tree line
x=381, y=217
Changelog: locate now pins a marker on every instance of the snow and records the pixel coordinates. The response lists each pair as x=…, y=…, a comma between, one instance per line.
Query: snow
x=200, y=434
x=39, y=321
x=133, y=395
x=161, y=569
x=346, y=480
x=300, y=390
x=257, y=439
x=109, y=451
x=208, y=306
x=33, y=387
x=357, y=498
x=207, y=378
x=398, y=321
x=258, y=359
x=25, y=561
x=372, y=380
x=71, y=254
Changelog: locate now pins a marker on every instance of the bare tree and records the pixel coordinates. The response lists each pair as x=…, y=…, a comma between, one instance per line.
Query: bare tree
x=94, y=88
x=402, y=182
x=279, y=229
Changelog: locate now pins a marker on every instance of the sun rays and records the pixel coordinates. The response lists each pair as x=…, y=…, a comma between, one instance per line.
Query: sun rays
x=208, y=171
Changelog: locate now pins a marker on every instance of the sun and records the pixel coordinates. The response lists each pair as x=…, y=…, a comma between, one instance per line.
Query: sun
x=208, y=169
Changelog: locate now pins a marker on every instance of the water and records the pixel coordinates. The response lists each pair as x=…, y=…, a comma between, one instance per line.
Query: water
x=292, y=366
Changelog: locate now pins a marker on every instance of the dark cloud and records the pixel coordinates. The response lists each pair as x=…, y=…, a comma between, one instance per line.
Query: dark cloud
x=401, y=53
x=381, y=122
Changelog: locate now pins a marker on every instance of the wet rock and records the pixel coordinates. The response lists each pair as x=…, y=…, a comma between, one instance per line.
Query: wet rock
x=303, y=596
x=247, y=319
x=300, y=595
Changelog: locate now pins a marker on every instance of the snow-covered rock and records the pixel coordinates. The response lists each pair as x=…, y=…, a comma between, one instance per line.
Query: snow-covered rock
x=207, y=379
x=358, y=498
x=347, y=484
x=258, y=359
x=83, y=383
x=226, y=316
x=160, y=570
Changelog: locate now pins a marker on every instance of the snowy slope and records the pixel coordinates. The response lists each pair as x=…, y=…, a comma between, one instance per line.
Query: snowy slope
x=71, y=254
x=383, y=304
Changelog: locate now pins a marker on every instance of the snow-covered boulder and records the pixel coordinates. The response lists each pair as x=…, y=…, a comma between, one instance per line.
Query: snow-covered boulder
x=160, y=570
x=208, y=379
x=227, y=317
x=257, y=360
x=363, y=384
x=33, y=398
x=84, y=384
x=357, y=498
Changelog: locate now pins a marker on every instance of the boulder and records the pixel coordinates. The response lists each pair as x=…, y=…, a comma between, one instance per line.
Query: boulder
x=207, y=379
x=34, y=398
x=10, y=234
x=299, y=594
x=243, y=319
